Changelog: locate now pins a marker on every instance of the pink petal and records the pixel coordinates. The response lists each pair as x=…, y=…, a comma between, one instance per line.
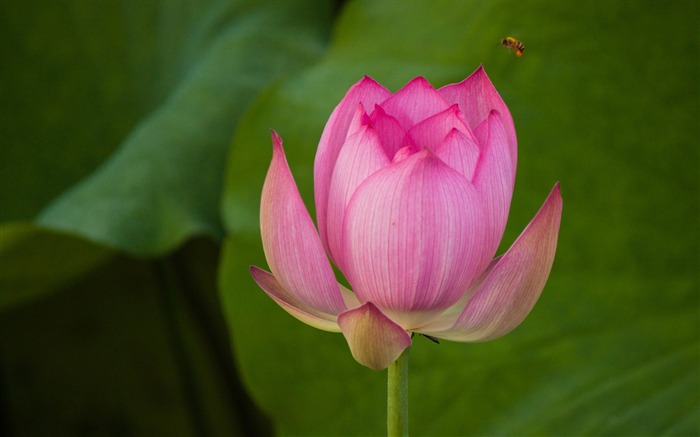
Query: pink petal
x=414, y=102
x=432, y=131
x=391, y=134
x=366, y=91
x=494, y=179
x=292, y=246
x=297, y=308
x=361, y=156
x=375, y=341
x=515, y=282
x=477, y=97
x=459, y=151
x=414, y=237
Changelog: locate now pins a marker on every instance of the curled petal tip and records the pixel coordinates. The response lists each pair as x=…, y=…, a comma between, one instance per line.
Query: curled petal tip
x=303, y=312
x=276, y=140
x=554, y=197
x=368, y=81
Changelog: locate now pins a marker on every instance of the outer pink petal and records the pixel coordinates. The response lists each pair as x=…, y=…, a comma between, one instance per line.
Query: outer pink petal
x=459, y=151
x=515, y=282
x=414, y=102
x=494, y=179
x=291, y=304
x=477, y=97
x=361, y=156
x=292, y=246
x=414, y=238
x=375, y=340
x=366, y=91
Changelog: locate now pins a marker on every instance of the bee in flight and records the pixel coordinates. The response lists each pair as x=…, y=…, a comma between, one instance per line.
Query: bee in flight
x=513, y=44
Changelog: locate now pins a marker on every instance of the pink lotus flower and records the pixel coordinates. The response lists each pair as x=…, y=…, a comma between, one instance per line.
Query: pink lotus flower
x=412, y=195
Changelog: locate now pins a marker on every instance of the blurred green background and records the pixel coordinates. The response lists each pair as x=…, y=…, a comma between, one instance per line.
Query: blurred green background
x=134, y=140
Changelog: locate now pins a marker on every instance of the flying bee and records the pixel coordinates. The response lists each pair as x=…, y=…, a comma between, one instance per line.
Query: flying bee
x=513, y=44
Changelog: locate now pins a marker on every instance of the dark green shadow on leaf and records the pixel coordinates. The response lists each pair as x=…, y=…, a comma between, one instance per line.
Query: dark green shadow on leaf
x=36, y=262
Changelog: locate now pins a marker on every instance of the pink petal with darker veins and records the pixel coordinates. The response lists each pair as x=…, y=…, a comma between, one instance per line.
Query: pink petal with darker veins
x=391, y=134
x=290, y=303
x=477, y=97
x=292, y=246
x=361, y=156
x=432, y=131
x=414, y=102
x=414, y=238
x=514, y=283
x=494, y=179
x=460, y=152
x=367, y=92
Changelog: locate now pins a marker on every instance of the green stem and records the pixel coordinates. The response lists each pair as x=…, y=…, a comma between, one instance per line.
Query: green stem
x=397, y=397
